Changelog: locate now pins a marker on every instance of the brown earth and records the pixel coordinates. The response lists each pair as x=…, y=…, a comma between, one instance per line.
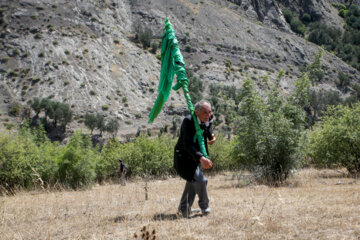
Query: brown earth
x=313, y=205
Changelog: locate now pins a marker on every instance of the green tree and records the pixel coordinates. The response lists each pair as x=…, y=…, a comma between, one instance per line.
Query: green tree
x=336, y=140
x=267, y=135
x=35, y=104
x=112, y=126
x=90, y=121
x=100, y=123
x=77, y=162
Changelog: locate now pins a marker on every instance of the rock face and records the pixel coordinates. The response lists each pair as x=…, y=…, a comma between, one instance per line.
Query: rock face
x=83, y=52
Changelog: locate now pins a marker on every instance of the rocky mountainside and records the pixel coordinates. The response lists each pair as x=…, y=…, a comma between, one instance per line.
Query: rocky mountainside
x=83, y=53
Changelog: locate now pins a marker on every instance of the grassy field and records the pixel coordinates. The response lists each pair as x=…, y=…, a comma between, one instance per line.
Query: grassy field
x=313, y=205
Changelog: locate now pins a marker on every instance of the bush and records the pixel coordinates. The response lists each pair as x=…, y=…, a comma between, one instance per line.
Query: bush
x=107, y=166
x=297, y=26
x=288, y=15
x=90, y=121
x=267, y=135
x=26, y=159
x=77, y=162
x=306, y=18
x=195, y=88
x=336, y=140
x=144, y=36
x=146, y=156
x=112, y=126
x=15, y=109
x=344, y=79
x=220, y=154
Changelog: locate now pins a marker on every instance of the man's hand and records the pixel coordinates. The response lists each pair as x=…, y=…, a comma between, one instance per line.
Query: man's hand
x=206, y=163
x=213, y=139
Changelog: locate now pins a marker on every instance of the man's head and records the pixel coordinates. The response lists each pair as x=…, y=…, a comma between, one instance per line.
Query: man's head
x=120, y=160
x=203, y=110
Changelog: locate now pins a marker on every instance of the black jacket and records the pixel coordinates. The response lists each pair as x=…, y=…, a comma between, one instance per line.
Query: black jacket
x=187, y=152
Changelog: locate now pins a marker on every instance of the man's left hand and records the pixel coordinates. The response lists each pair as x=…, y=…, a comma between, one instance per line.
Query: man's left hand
x=213, y=139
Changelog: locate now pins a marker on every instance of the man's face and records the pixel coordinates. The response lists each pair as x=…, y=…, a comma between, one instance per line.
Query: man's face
x=204, y=113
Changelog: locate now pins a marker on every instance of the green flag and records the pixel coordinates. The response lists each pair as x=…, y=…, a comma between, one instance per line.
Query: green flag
x=172, y=63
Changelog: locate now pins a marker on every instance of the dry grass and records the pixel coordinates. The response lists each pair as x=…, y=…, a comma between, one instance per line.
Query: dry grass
x=315, y=205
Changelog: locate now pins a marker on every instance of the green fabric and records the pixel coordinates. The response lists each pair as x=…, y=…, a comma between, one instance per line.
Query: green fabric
x=172, y=63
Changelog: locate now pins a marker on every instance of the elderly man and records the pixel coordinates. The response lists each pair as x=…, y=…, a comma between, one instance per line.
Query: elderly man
x=188, y=159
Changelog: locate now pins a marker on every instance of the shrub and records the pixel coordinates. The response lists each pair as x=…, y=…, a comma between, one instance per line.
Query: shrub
x=288, y=15
x=27, y=159
x=144, y=36
x=107, y=166
x=4, y=60
x=100, y=123
x=220, y=154
x=77, y=162
x=306, y=18
x=37, y=36
x=267, y=135
x=344, y=79
x=195, y=88
x=90, y=121
x=321, y=34
x=336, y=139
x=112, y=126
x=146, y=156
x=297, y=26
x=15, y=109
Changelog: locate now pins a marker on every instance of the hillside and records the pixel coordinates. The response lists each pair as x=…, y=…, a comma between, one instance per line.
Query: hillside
x=84, y=53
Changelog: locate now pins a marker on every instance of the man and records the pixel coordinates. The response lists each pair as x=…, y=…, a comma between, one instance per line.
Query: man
x=122, y=170
x=188, y=159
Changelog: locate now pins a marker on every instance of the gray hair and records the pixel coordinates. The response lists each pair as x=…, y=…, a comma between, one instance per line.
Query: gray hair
x=201, y=103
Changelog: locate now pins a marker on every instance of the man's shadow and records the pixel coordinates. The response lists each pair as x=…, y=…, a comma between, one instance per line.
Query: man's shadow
x=171, y=217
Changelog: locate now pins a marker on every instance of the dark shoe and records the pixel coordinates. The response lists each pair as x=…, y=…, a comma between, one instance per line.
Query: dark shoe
x=206, y=211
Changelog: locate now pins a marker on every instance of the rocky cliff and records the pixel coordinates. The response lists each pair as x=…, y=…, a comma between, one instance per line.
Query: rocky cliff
x=83, y=52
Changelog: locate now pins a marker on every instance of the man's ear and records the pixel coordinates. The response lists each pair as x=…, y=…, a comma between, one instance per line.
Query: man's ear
x=196, y=112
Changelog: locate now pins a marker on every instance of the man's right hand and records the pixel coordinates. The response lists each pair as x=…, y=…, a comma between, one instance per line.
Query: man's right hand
x=206, y=163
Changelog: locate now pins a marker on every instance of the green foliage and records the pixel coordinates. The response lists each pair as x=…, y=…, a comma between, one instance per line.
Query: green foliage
x=306, y=18
x=112, y=126
x=77, y=162
x=288, y=15
x=15, y=109
x=143, y=35
x=220, y=154
x=154, y=47
x=59, y=112
x=315, y=70
x=344, y=79
x=336, y=139
x=107, y=166
x=90, y=121
x=321, y=34
x=267, y=135
x=26, y=159
x=320, y=100
x=300, y=96
x=195, y=87
x=146, y=156
x=100, y=123
x=345, y=45
x=295, y=24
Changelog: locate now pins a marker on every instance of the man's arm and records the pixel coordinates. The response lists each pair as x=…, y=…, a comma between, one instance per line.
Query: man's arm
x=188, y=133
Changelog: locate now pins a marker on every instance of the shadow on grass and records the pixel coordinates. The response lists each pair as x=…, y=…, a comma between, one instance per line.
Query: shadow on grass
x=119, y=219
x=171, y=217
